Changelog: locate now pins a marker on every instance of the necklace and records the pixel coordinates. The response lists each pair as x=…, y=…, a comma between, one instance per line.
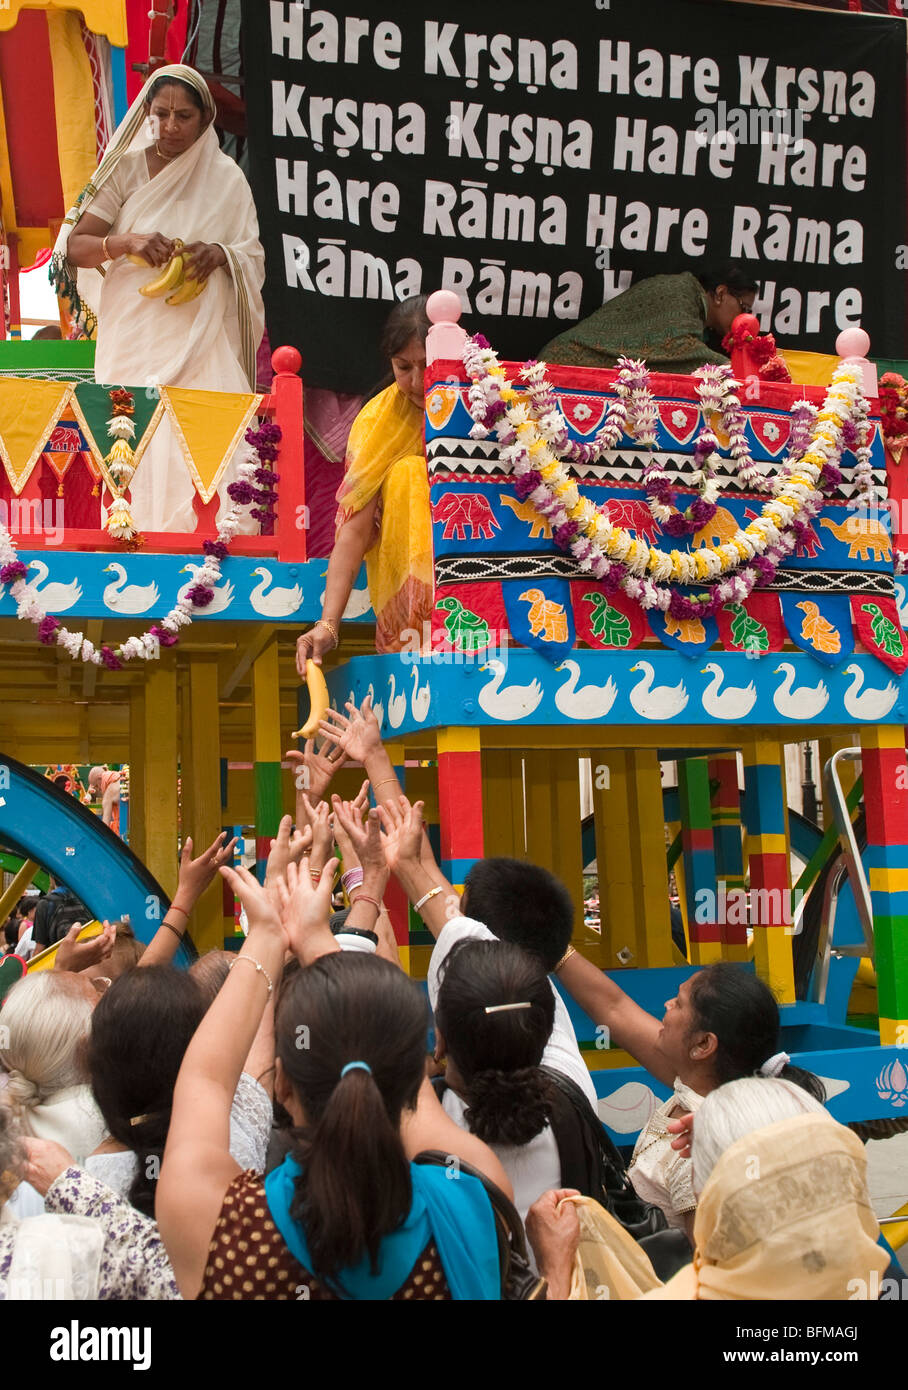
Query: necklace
x=166, y=157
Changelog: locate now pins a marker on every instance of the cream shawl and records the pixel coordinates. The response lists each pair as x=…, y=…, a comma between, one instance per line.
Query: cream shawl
x=201, y=195
x=784, y=1215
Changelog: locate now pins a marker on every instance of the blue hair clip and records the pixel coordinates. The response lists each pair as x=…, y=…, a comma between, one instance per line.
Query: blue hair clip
x=353, y=1066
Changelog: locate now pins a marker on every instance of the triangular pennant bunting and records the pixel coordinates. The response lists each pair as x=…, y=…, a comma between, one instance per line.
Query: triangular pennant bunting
x=610, y=621
x=690, y=636
x=820, y=625
x=680, y=419
x=877, y=624
x=93, y=408
x=754, y=626
x=29, y=410
x=209, y=426
x=540, y=616
x=468, y=618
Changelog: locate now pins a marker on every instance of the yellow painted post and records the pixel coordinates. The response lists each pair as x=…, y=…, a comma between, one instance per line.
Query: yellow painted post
x=567, y=832
x=18, y=886
x=654, y=940
x=160, y=772
x=137, y=770
x=502, y=796
x=201, y=772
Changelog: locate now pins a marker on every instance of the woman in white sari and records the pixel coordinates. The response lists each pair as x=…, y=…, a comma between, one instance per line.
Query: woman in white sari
x=163, y=177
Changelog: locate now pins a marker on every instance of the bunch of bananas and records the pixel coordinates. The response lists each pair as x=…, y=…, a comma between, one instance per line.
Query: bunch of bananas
x=172, y=280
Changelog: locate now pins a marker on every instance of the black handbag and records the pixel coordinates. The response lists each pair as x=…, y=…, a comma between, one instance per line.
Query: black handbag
x=591, y=1163
x=518, y=1281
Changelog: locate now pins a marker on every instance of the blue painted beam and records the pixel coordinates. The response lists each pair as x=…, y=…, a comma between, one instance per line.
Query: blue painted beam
x=521, y=688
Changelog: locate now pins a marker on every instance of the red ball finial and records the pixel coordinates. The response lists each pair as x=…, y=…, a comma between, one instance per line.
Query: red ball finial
x=286, y=360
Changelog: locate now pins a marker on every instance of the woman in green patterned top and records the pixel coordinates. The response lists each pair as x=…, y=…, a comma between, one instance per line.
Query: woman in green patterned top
x=662, y=320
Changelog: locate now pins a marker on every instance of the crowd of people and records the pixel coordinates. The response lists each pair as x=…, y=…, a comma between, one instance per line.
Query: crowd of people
x=284, y=1122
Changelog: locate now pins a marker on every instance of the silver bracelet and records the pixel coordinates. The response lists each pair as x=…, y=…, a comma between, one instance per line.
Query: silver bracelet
x=260, y=969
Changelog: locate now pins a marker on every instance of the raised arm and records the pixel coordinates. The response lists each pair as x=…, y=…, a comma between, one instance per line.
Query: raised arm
x=353, y=540
x=197, y=1167
x=195, y=876
x=606, y=1003
x=413, y=864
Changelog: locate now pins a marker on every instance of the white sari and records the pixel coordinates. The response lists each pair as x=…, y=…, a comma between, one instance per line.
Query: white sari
x=207, y=344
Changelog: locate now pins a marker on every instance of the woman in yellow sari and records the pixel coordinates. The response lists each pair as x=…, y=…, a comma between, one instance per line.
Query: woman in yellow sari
x=383, y=513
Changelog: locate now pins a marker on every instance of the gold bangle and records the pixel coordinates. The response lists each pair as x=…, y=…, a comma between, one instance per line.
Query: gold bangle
x=106, y=254
x=332, y=628
x=564, y=959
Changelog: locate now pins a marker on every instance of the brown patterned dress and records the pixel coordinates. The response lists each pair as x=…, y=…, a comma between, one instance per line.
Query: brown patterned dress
x=247, y=1258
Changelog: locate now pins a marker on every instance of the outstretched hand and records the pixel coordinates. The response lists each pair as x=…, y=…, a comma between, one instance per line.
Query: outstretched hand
x=403, y=838
x=313, y=768
x=261, y=907
x=197, y=874
x=366, y=839
x=356, y=734
x=73, y=954
x=305, y=912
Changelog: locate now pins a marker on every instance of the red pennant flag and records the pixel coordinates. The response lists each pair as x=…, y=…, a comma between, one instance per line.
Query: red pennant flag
x=752, y=626
x=602, y=620
x=468, y=618
x=877, y=625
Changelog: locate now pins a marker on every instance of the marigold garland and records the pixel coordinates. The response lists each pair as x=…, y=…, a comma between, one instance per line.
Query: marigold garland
x=610, y=552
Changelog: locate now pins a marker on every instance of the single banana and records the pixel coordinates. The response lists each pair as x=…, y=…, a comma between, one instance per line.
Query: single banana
x=319, y=701
x=138, y=260
x=169, y=279
x=189, y=289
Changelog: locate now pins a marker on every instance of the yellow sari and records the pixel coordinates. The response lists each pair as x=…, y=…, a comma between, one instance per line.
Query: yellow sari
x=385, y=456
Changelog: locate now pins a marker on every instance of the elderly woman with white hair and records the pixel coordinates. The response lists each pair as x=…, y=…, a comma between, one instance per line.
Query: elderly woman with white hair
x=44, y=1025
x=783, y=1209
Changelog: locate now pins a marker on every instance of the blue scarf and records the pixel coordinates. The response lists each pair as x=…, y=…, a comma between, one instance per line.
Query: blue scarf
x=455, y=1213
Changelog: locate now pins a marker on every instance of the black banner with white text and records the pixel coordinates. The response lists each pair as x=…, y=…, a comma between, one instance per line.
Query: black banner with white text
x=537, y=158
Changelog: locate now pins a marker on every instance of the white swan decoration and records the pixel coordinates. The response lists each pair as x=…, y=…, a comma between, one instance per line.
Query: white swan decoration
x=872, y=703
x=128, y=598
x=378, y=708
x=56, y=598
x=804, y=703
x=515, y=702
x=358, y=603
x=734, y=702
x=419, y=700
x=656, y=702
x=397, y=704
x=590, y=701
x=223, y=594
x=901, y=599
x=277, y=603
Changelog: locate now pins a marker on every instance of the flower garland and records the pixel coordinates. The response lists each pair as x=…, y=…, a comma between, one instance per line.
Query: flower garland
x=253, y=468
x=609, y=552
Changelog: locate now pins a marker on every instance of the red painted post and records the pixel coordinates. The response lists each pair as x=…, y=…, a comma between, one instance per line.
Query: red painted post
x=287, y=398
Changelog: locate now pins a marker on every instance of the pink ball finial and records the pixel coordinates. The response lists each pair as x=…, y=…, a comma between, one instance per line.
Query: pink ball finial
x=443, y=307
x=745, y=323
x=286, y=359
x=852, y=342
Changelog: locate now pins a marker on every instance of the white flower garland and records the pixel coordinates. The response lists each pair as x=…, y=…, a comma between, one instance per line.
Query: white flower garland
x=598, y=544
x=147, y=645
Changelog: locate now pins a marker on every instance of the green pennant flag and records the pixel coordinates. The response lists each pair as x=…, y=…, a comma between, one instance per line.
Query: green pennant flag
x=93, y=409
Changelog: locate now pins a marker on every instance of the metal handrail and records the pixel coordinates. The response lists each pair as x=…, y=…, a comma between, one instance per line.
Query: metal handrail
x=848, y=866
